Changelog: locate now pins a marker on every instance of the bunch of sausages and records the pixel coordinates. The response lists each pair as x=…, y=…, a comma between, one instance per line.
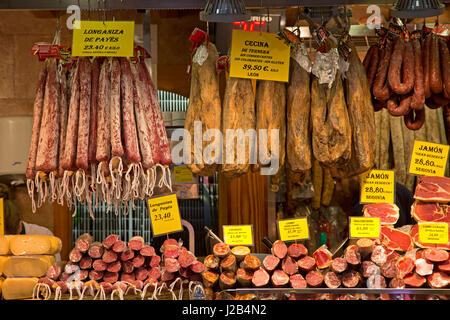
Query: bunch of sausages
x=404, y=75
x=97, y=132
x=114, y=264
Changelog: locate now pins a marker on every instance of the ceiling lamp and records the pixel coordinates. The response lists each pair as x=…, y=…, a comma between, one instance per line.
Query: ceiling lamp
x=224, y=11
x=411, y=9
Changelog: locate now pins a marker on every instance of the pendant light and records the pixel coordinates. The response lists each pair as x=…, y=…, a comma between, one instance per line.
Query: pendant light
x=224, y=11
x=410, y=9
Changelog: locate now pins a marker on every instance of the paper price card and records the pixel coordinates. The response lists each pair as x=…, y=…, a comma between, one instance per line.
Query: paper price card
x=428, y=159
x=2, y=217
x=182, y=174
x=433, y=232
x=361, y=227
x=293, y=229
x=259, y=55
x=164, y=214
x=238, y=235
x=103, y=38
x=378, y=186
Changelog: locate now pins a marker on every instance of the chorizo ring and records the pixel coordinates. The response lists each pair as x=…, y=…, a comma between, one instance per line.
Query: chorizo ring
x=415, y=119
x=399, y=109
x=418, y=98
x=381, y=90
x=401, y=81
x=435, y=68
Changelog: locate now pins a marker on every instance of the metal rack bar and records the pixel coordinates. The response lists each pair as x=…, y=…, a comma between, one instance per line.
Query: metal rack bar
x=168, y=4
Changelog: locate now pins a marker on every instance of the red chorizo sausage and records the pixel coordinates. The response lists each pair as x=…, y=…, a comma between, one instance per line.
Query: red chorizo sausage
x=440, y=99
x=47, y=152
x=445, y=66
x=37, y=114
x=399, y=109
x=426, y=66
x=418, y=98
x=94, y=110
x=401, y=68
x=381, y=90
x=82, y=156
x=415, y=119
x=431, y=104
x=367, y=62
x=435, y=68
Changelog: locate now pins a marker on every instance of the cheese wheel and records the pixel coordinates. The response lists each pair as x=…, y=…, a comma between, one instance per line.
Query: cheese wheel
x=26, y=266
x=2, y=263
x=33, y=244
x=18, y=288
x=4, y=245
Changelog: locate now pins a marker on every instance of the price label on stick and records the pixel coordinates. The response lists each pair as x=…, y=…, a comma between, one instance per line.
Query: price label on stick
x=103, y=38
x=259, y=55
x=428, y=159
x=182, y=174
x=378, y=186
x=433, y=232
x=362, y=227
x=238, y=235
x=293, y=229
x=164, y=214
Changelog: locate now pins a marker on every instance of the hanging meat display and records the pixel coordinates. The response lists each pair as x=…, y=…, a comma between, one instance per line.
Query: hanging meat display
x=408, y=71
x=97, y=134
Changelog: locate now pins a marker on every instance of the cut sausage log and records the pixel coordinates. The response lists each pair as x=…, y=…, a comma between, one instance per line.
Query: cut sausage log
x=75, y=255
x=240, y=252
x=228, y=263
x=99, y=265
x=221, y=250
x=279, y=279
x=297, y=250
x=127, y=254
x=154, y=261
x=297, y=281
x=314, y=279
x=197, y=267
x=96, y=275
x=95, y=250
x=352, y=255
x=351, y=279
x=119, y=246
x=227, y=280
x=376, y=281
x=109, y=241
x=369, y=268
x=251, y=262
x=210, y=278
x=279, y=249
x=136, y=243
x=211, y=261
x=436, y=255
x=244, y=277
x=172, y=265
x=396, y=283
x=138, y=261
x=127, y=266
x=338, y=265
x=332, y=280
x=306, y=263
x=115, y=266
x=86, y=263
x=365, y=247
x=260, y=278
x=271, y=262
x=147, y=251
x=289, y=266
x=109, y=256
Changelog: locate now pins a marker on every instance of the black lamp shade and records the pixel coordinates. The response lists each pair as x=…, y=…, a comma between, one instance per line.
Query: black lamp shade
x=411, y=9
x=224, y=11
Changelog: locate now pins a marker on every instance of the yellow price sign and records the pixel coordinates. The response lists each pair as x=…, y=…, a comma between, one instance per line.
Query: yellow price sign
x=362, y=227
x=182, y=174
x=378, y=186
x=293, y=229
x=103, y=38
x=259, y=55
x=428, y=159
x=238, y=235
x=2, y=218
x=164, y=214
x=433, y=232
